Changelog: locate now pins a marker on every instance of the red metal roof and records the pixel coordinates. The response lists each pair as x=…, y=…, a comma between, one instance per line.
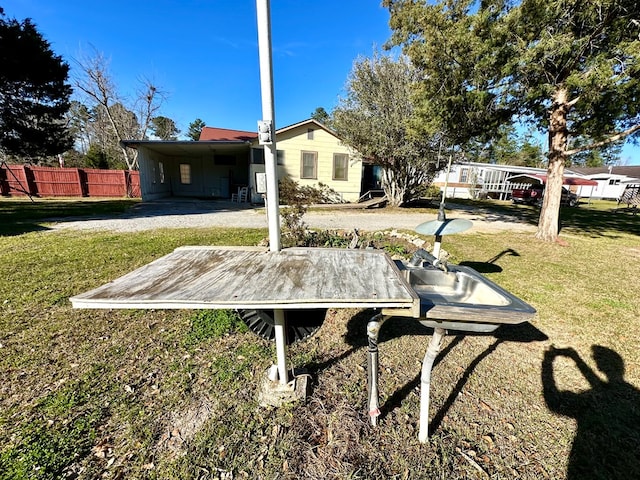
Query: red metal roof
x=225, y=134
x=543, y=179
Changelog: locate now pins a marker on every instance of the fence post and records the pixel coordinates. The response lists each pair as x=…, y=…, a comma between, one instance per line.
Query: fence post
x=80, y=183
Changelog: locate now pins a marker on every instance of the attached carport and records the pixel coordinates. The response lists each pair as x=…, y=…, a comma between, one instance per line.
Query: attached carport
x=203, y=169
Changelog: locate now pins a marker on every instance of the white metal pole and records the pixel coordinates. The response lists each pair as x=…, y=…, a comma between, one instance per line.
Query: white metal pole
x=436, y=246
x=271, y=168
x=266, y=90
x=281, y=346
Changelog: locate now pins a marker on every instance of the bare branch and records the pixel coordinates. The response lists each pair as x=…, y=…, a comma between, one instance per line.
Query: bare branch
x=148, y=102
x=607, y=141
x=124, y=120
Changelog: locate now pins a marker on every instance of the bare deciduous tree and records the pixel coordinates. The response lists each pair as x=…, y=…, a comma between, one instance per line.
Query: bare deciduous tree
x=123, y=122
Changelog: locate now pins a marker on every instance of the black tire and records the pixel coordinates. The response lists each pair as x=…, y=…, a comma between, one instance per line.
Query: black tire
x=300, y=324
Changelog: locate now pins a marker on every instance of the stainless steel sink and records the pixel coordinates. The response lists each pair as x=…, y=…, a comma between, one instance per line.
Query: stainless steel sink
x=461, y=294
x=459, y=287
x=460, y=299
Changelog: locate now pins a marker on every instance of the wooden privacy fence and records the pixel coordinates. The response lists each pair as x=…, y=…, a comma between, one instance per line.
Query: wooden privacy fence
x=56, y=182
x=68, y=182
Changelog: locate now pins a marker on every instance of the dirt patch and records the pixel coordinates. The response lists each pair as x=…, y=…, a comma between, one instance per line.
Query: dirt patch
x=183, y=426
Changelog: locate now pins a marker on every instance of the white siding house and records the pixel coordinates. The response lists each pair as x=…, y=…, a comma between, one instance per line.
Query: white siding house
x=310, y=153
x=612, y=181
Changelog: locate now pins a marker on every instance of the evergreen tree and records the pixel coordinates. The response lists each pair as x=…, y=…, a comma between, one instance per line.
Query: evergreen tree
x=321, y=115
x=34, y=93
x=96, y=157
x=195, y=128
x=374, y=120
x=164, y=128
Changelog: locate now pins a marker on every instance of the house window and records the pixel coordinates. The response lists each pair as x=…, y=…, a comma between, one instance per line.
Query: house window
x=309, y=165
x=161, y=169
x=185, y=173
x=310, y=134
x=464, y=175
x=257, y=156
x=340, y=166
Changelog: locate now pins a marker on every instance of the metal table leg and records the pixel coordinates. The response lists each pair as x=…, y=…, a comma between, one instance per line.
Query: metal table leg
x=425, y=381
x=373, y=330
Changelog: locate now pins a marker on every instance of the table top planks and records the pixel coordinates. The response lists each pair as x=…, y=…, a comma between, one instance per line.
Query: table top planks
x=253, y=277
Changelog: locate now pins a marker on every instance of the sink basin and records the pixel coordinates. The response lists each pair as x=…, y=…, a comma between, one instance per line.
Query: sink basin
x=464, y=295
x=454, y=287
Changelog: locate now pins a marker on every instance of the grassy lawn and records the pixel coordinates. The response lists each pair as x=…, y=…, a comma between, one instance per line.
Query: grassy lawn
x=172, y=394
x=21, y=215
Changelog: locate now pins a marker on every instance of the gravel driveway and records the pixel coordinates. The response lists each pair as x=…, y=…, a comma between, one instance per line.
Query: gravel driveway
x=183, y=213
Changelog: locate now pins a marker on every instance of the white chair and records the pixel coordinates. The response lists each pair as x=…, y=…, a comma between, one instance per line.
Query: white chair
x=241, y=196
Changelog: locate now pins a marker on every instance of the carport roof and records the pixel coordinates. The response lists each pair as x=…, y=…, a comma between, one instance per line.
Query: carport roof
x=528, y=178
x=226, y=134
x=187, y=147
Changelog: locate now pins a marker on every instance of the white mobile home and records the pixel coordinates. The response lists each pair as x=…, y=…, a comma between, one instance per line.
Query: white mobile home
x=612, y=181
x=485, y=180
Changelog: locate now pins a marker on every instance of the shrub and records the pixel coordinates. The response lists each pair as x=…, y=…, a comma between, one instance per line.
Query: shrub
x=297, y=200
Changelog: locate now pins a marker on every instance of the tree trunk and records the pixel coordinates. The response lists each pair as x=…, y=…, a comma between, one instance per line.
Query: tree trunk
x=548, y=224
x=393, y=189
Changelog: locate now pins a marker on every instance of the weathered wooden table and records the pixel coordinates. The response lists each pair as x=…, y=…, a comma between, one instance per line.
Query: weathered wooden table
x=255, y=278
x=248, y=277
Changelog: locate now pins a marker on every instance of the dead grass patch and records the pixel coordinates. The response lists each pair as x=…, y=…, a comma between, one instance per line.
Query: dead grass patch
x=183, y=425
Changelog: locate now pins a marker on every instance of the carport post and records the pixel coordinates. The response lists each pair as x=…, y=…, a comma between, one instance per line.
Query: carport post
x=271, y=168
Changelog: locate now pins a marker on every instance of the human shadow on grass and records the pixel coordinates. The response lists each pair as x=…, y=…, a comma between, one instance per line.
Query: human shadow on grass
x=607, y=440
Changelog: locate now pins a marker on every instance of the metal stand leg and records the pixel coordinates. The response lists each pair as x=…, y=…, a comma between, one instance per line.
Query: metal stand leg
x=425, y=381
x=373, y=329
x=281, y=346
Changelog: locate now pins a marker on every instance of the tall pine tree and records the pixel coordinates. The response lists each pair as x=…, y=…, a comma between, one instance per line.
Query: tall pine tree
x=34, y=93
x=195, y=128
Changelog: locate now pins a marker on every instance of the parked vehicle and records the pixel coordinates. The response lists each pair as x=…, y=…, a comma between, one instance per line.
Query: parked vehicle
x=533, y=195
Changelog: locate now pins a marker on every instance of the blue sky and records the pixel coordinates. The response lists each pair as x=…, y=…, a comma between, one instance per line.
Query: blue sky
x=204, y=54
